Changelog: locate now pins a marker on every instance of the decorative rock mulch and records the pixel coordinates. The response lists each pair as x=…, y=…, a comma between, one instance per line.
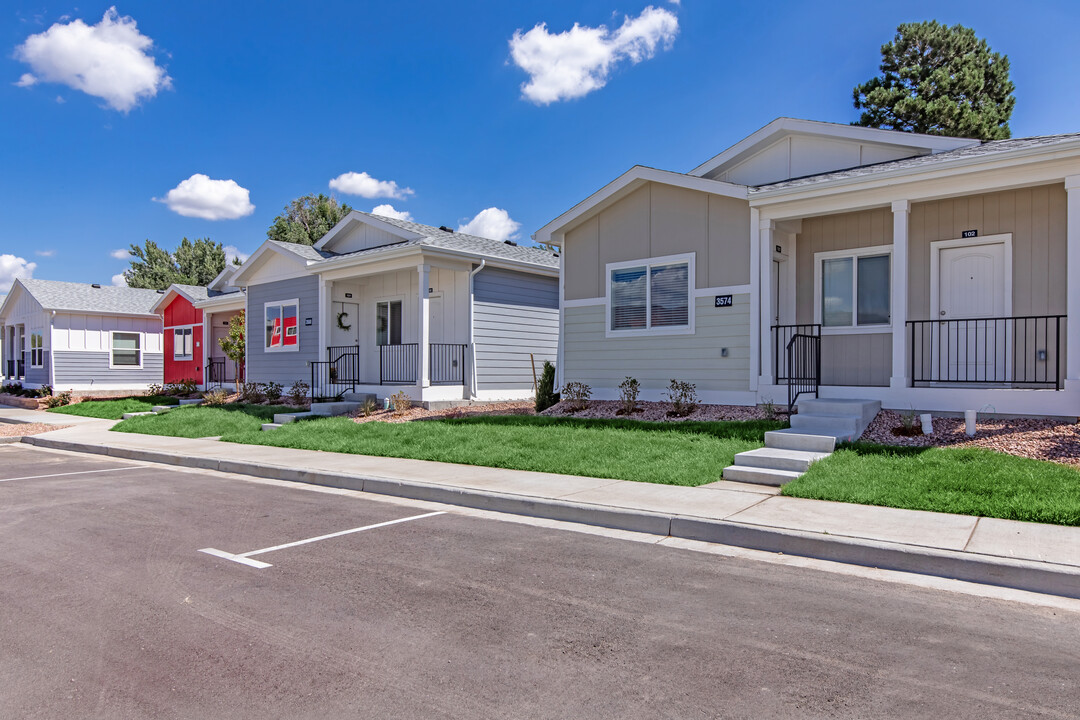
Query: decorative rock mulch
x=525, y=407
x=1036, y=438
x=22, y=429
x=657, y=411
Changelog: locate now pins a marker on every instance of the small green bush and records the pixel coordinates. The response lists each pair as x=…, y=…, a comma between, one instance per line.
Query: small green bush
x=298, y=393
x=272, y=391
x=629, y=389
x=400, y=402
x=44, y=391
x=58, y=400
x=578, y=394
x=215, y=397
x=250, y=392
x=155, y=390
x=683, y=398
x=545, y=389
x=368, y=407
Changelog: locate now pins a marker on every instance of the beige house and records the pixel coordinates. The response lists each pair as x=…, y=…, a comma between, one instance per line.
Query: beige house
x=922, y=271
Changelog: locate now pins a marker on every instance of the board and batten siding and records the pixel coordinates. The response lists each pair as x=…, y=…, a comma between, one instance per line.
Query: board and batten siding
x=853, y=359
x=658, y=220
x=283, y=367
x=515, y=316
x=89, y=369
x=602, y=362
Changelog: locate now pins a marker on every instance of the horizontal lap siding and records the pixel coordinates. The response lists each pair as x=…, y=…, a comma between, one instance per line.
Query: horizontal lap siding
x=515, y=321
x=87, y=367
x=604, y=362
x=37, y=375
x=283, y=367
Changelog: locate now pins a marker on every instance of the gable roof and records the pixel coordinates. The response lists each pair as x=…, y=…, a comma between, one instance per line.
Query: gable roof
x=766, y=136
x=85, y=298
x=978, y=152
x=193, y=293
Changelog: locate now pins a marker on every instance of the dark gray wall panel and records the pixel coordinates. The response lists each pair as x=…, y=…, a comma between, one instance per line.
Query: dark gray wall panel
x=283, y=367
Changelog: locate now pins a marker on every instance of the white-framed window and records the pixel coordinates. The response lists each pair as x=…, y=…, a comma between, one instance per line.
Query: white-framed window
x=854, y=289
x=126, y=350
x=183, y=348
x=651, y=297
x=282, y=326
x=388, y=322
x=37, y=350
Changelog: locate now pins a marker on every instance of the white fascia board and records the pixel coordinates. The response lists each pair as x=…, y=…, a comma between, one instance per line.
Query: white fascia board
x=780, y=127
x=230, y=301
x=627, y=183
x=1031, y=166
x=169, y=296
x=355, y=216
x=8, y=299
x=245, y=270
x=427, y=250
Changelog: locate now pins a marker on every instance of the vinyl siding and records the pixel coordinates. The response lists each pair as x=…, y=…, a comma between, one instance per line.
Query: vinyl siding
x=515, y=315
x=37, y=375
x=87, y=368
x=603, y=362
x=283, y=367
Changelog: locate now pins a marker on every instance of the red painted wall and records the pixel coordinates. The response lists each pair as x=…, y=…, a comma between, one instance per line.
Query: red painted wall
x=180, y=312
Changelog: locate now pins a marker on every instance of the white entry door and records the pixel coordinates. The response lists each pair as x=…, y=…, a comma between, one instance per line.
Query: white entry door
x=973, y=300
x=345, y=324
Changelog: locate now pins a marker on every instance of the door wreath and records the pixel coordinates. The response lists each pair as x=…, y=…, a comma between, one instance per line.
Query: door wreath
x=341, y=321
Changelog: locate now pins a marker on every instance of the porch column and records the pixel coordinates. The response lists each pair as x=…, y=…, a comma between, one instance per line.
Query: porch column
x=207, y=334
x=1072, y=303
x=766, y=236
x=323, y=320
x=901, y=210
x=423, y=379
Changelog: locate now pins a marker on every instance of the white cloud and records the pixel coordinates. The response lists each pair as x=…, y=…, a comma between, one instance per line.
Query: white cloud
x=491, y=223
x=571, y=64
x=45, y=253
x=12, y=267
x=120, y=254
x=119, y=280
x=109, y=60
x=389, y=211
x=231, y=251
x=362, y=184
x=201, y=197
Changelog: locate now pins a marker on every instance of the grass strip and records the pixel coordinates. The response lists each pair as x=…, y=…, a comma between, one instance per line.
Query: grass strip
x=114, y=408
x=195, y=421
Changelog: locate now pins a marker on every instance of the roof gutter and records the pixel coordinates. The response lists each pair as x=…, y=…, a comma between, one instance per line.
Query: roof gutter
x=338, y=263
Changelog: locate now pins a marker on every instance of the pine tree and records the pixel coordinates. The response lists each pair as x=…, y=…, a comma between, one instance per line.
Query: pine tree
x=939, y=80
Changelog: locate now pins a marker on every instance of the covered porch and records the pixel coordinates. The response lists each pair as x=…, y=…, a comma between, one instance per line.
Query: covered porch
x=13, y=352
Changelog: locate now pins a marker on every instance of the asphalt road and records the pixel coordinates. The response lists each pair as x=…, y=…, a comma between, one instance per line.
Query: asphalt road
x=108, y=609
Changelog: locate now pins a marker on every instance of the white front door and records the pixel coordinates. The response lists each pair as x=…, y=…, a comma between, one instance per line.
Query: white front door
x=972, y=298
x=345, y=324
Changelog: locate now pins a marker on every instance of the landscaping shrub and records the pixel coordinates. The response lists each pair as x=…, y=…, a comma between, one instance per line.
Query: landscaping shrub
x=400, y=402
x=215, y=397
x=545, y=389
x=155, y=390
x=44, y=391
x=250, y=392
x=298, y=392
x=768, y=408
x=272, y=391
x=58, y=400
x=683, y=398
x=368, y=407
x=629, y=389
x=183, y=387
x=578, y=393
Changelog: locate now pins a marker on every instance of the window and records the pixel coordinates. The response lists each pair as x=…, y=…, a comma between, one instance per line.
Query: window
x=652, y=296
x=282, y=329
x=37, y=350
x=855, y=289
x=126, y=350
x=182, y=344
x=388, y=323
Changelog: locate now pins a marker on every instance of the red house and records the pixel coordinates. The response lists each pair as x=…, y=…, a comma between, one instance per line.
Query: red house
x=195, y=319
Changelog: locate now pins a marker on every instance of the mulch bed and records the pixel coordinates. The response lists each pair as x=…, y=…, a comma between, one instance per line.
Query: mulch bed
x=1036, y=438
x=657, y=411
x=525, y=407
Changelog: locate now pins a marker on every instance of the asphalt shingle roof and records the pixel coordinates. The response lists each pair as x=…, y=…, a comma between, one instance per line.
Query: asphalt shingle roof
x=988, y=148
x=83, y=297
x=198, y=292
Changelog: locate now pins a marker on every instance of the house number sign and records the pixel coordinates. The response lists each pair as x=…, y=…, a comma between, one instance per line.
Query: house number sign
x=723, y=301
x=969, y=234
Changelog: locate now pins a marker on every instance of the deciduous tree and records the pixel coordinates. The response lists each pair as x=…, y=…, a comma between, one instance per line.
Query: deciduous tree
x=305, y=220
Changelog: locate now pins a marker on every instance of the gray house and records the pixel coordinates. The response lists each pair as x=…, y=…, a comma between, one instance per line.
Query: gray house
x=381, y=305
x=77, y=336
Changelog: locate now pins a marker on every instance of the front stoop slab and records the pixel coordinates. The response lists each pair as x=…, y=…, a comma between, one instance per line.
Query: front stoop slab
x=779, y=459
x=270, y=426
x=191, y=401
x=759, y=475
x=285, y=418
x=128, y=416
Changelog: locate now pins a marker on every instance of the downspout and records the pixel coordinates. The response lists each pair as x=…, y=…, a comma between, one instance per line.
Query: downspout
x=472, y=326
x=52, y=352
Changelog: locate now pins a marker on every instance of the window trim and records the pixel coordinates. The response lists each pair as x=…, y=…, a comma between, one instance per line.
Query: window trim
x=184, y=328
x=282, y=347
x=691, y=296
x=854, y=254
x=112, y=349
x=390, y=299
x=40, y=350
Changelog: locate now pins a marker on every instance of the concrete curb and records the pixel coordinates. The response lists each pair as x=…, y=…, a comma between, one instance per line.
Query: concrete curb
x=1045, y=578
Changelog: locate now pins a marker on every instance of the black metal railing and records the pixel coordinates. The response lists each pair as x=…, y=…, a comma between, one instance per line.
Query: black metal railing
x=325, y=383
x=781, y=336
x=1022, y=351
x=399, y=364
x=215, y=372
x=447, y=364
x=803, y=355
x=20, y=368
x=345, y=362
x=10, y=369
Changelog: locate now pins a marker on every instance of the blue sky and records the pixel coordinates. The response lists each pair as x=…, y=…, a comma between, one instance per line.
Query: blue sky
x=280, y=100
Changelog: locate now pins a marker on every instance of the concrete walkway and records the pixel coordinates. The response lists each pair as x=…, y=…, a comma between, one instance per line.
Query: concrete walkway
x=1027, y=556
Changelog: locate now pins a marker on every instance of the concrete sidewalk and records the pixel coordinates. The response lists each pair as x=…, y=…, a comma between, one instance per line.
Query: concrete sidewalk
x=1027, y=556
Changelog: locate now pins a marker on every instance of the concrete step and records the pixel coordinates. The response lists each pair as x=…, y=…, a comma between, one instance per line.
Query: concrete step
x=327, y=409
x=162, y=408
x=136, y=414
x=792, y=439
x=779, y=459
x=759, y=476
x=270, y=426
x=866, y=410
x=359, y=397
x=843, y=426
x=191, y=401
x=286, y=418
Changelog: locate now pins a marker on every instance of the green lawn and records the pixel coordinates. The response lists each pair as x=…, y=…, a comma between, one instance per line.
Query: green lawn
x=669, y=453
x=114, y=409
x=967, y=481
x=195, y=421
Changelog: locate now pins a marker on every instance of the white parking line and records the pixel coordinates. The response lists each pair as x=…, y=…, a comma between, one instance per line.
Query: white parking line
x=245, y=558
x=79, y=472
